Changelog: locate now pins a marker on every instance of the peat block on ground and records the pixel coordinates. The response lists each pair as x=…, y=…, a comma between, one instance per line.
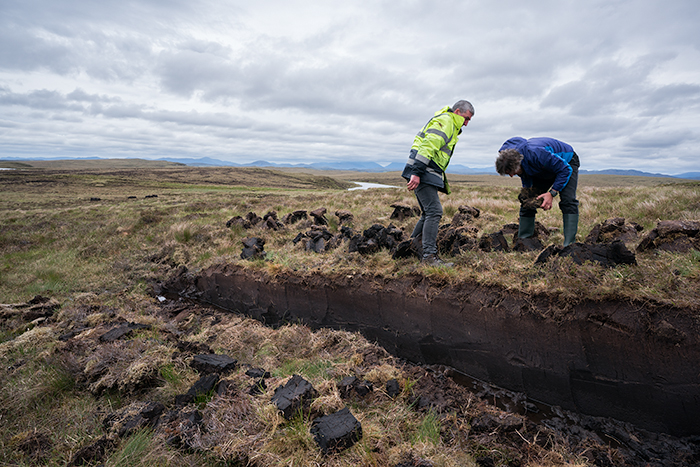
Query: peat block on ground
x=336, y=431
x=674, y=236
x=294, y=396
x=606, y=254
x=213, y=363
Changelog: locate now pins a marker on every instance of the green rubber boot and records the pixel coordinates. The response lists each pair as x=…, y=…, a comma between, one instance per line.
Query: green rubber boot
x=526, y=228
x=570, y=228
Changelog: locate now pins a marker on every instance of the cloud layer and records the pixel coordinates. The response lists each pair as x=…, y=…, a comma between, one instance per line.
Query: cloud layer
x=306, y=81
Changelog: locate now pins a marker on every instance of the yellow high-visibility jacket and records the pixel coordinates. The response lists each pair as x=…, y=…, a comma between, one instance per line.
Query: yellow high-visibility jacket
x=433, y=147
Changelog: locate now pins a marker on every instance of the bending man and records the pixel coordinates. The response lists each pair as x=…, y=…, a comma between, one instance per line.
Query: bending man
x=551, y=167
x=425, y=170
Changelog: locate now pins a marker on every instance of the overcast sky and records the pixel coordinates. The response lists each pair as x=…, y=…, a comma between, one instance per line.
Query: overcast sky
x=309, y=80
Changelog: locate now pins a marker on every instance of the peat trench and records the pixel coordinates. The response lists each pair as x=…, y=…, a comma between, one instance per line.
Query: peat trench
x=633, y=362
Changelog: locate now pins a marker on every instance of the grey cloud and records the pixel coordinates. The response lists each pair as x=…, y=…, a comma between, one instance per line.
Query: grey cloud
x=235, y=78
x=182, y=72
x=118, y=111
x=662, y=140
x=80, y=95
x=100, y=56
x=38, y=100
x=607, y=87
x=284, y=78
x=669, y=98
x=24, y=51
x=44, y=99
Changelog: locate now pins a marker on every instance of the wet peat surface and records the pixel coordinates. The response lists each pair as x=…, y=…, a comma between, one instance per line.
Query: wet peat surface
x=618, y=380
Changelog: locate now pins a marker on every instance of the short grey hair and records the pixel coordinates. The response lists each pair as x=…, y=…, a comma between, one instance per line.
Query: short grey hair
x=464, y=106
x=508, y=161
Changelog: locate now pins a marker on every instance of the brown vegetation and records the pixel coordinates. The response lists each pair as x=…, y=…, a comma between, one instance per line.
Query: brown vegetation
x=94, y=239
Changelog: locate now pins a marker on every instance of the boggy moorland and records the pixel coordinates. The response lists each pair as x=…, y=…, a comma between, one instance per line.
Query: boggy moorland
x=87, y=250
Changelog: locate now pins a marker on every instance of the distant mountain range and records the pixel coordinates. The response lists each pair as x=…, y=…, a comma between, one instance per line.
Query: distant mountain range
x=345, y=165
x=398, y=167
x=374, y=167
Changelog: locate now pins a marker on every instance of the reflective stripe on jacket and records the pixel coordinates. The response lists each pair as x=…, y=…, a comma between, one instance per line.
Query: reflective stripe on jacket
x=433, y=147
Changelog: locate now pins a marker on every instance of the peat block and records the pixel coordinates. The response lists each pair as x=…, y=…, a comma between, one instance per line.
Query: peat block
x=464, y=215
x=238, y=221
x=375, y=238
x=528, y=198
x=258, y=387
x=253, y=247
x=393, y=388
x=95, y=452
x=337, y=431
x=614, y=229
x=527, y=244
x=454, y=238
x=412, y=248
x=351, y=384
x=607, y=254
x=294, y=396
x=294, y=217
x=345, y=217
x=675, y=236
x=257, y=373
x=494, y=242
x=271, y=223
x=201, y=387
x=319, y=216
x=213, y=363
x=318, y=239
x=402, y=211
x=134, y=417
x=121, y=331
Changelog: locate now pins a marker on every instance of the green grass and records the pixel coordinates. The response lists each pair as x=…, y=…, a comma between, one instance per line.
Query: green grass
x=133, y=450
x=428, y=430
x=309, y=368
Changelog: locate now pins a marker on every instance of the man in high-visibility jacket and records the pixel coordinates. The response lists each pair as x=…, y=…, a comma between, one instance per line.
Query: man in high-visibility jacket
x=425, y=170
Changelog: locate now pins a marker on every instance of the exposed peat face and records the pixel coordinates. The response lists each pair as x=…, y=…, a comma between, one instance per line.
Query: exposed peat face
x=635, y=362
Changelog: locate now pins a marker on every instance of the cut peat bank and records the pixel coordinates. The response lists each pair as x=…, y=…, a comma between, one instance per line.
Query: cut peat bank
x=635, y=362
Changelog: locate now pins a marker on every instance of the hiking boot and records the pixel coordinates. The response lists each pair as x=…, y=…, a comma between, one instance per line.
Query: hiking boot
x=433, y=260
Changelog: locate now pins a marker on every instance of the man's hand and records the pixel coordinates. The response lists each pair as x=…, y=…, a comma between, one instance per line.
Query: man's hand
x=413, y=182
x=548, y=200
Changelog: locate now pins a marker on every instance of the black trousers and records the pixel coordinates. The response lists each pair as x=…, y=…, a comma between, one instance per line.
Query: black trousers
x=567, y=196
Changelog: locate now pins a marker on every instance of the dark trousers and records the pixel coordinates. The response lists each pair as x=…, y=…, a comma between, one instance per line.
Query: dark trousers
x=431, y=213
x=567, y=196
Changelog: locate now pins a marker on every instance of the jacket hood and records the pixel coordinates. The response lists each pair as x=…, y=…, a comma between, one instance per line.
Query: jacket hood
x=516, y=142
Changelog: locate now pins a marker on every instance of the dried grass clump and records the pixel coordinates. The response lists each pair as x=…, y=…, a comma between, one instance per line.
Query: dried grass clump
x=125, y=365
x=29, y=341
x=233, y=425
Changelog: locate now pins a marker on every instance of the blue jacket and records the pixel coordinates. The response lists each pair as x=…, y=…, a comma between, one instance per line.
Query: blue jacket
x=543, y=158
